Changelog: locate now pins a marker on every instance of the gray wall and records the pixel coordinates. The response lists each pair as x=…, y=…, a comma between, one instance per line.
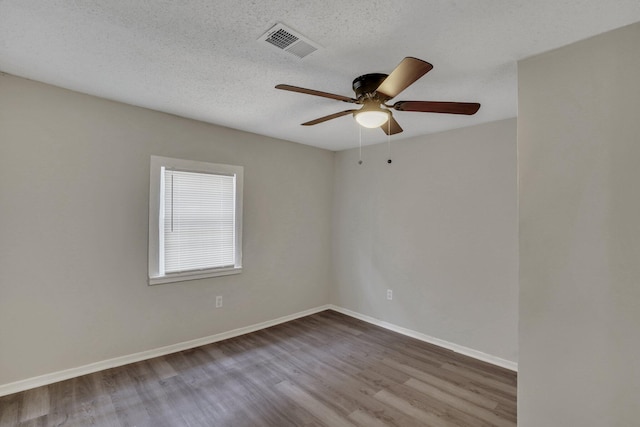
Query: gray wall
x=439, y=227
x=579, y=157
x=74, y=184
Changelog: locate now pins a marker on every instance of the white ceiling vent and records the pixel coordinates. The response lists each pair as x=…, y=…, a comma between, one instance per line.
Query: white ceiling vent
x=285, y=39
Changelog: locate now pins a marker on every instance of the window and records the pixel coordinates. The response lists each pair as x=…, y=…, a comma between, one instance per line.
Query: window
x=195, y=220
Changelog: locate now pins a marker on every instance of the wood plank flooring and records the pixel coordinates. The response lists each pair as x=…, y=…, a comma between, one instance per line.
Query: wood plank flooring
x=326, y=369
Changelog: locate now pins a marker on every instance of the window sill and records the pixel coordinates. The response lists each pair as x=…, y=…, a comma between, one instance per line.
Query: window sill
x=194, y=275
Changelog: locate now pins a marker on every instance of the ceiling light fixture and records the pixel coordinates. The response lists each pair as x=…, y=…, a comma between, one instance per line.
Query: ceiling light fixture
x=371, y=117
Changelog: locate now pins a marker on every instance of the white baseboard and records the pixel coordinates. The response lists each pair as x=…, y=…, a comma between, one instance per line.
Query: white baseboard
x=494, y=360
x=66, y=374
x=54, y=377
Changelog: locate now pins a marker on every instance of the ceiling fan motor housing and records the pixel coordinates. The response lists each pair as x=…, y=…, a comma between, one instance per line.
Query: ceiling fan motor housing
x=366, y=85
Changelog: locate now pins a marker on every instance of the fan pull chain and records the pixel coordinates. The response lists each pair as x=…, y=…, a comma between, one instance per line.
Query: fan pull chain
x=360, y=155
x=389, y=139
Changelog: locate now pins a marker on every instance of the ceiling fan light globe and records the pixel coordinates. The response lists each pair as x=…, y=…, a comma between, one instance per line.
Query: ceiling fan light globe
x=372, y=119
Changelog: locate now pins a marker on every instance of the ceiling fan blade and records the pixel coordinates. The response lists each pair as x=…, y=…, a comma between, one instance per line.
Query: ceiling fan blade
x=391, y=127
x=408, y=71
x=329, y=117
x=316, y=93
x=466, y=108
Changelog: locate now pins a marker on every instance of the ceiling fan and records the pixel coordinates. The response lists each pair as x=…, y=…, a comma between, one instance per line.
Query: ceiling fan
x=373, y=91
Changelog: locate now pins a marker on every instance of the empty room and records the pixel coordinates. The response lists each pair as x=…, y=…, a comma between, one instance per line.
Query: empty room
x=346, y=213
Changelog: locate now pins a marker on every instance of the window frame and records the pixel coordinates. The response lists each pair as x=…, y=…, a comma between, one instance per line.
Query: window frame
x=157, y=164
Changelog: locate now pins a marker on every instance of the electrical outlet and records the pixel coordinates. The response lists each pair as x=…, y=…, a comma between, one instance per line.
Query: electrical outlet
x=389, y=294
x=219, y=301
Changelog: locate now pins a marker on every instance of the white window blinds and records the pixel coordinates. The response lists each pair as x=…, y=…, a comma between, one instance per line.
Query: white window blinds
x=198, y=227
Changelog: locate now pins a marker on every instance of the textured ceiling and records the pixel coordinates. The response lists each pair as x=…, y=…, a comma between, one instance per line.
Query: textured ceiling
x=200, y=59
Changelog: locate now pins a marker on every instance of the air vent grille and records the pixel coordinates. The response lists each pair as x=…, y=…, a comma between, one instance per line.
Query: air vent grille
x=301, y=49
x=287, y=40
x=282, y=38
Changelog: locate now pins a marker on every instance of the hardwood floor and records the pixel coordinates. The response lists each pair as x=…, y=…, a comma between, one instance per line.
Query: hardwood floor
x=327, y=369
